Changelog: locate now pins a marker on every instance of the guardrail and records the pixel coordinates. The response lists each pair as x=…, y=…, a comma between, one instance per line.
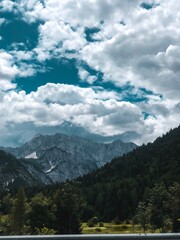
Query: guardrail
x=169, y=236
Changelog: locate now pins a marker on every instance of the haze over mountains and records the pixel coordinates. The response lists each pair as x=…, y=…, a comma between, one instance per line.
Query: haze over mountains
x=55, y=158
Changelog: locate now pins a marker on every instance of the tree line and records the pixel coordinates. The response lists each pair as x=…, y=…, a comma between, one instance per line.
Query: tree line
x=42, y=213
x=62, y=211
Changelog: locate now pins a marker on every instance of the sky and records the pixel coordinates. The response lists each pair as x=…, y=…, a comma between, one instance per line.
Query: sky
x=99, y=69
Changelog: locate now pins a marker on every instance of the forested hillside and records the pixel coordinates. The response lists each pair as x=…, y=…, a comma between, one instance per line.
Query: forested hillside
x=116, y=189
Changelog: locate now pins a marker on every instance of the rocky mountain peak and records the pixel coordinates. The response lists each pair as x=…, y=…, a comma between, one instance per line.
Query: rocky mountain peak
x=59, y=157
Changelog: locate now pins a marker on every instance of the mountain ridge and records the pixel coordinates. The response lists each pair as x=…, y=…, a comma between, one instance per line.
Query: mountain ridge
x=61, y=157
x=13, y=173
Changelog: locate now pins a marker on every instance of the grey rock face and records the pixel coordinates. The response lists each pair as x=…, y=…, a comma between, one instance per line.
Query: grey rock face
x=14, y=174
x=55, y=158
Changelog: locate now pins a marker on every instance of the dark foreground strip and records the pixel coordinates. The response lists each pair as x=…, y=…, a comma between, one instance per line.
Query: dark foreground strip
x=171, y=236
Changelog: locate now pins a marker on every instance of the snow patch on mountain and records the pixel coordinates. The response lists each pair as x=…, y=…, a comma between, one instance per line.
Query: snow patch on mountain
x=32, y=155
x=52, y=167
x=60, y=157
x=8, y=182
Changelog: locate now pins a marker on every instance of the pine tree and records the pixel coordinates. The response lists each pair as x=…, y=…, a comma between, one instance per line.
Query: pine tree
x=41, y=213
x=18, y=213
x=69, y=209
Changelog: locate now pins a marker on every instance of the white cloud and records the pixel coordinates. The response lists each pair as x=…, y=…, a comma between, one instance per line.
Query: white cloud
x=22, y=55
x=58, y=40
x=133, y=45
x=138, y=51
x=85, y=76
x=2, y=20
x=7, y=5
x=54, y=104
x=12, y=65
x=7, y=71
x=85, y=12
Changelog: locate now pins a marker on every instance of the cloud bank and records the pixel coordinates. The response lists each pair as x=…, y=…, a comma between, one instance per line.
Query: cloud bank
x=133, y=45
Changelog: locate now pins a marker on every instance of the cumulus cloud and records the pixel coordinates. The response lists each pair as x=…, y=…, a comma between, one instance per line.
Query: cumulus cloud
x=137, y=44
x=76, y=12
x=7, y=5
x=85, y=76
x=133, y=44
x=138, y=51
x=12, y=65
x=2, y=20
x=53, y=105
x=58, y=40
x=7, y=71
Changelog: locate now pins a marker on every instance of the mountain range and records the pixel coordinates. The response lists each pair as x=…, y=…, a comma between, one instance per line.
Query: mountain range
x=147, y=176
x=48, y=159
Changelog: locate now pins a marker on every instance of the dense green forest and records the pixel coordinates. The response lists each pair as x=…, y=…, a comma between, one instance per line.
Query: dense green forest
x=117, y=188
x=148, y=176
x=142, y=187
x=42, y=211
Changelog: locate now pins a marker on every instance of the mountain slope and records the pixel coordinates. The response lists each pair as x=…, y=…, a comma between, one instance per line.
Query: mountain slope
x=63, y=157
x=123, y=182
x=13, y=173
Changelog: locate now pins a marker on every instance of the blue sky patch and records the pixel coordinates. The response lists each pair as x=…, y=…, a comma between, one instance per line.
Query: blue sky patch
x=15, y=30
x=62, y=71
x=148, y=6
x=146, y=115
x=89, y=33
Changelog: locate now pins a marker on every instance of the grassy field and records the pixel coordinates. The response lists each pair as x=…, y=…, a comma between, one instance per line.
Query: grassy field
x=112, y=228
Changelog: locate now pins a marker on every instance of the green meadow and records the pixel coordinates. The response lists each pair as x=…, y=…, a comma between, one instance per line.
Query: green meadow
x=112, y=228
